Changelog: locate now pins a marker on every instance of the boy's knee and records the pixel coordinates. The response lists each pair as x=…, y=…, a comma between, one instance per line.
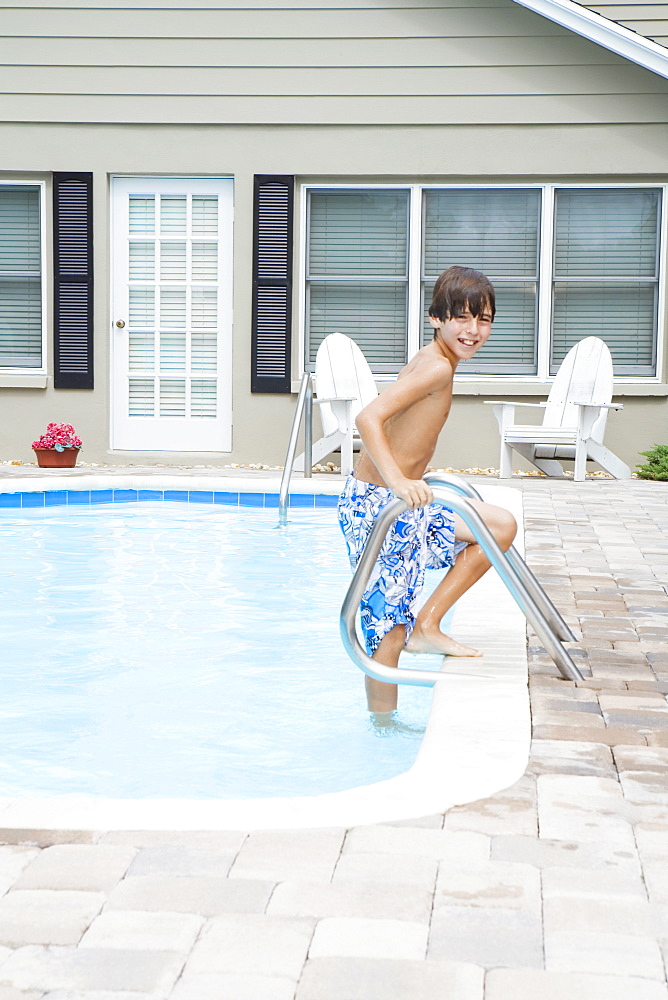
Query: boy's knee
x=505, y=528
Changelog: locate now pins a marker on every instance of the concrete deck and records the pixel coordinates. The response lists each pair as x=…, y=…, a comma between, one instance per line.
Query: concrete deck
x=554, y=888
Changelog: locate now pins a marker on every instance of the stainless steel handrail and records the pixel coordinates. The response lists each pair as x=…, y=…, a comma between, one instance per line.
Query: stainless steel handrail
x=448, y=497
x=305, y=407
x=551, y=613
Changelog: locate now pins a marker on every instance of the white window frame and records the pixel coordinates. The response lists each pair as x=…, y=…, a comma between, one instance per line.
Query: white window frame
x=546, y=256
x=8, y=182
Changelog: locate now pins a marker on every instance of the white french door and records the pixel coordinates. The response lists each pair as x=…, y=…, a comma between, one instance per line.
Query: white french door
x=172, y=314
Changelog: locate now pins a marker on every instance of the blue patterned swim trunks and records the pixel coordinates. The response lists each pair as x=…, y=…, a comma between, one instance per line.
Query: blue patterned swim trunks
x=419, y=539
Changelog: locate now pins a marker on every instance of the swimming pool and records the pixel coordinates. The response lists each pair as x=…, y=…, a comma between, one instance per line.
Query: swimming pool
x=432, y=781
x=184, y=650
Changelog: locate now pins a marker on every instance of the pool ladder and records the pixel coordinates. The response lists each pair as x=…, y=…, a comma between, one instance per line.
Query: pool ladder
x=303, y=409
x=538, y=609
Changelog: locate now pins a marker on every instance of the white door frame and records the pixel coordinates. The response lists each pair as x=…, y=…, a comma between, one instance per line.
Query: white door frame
x=185, y=397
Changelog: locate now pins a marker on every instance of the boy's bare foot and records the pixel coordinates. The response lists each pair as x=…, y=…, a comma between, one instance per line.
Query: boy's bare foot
x=437, y=642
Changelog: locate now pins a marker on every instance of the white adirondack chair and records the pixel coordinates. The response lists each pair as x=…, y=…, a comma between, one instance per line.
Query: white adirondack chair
x=343, y=386
x=574, y=422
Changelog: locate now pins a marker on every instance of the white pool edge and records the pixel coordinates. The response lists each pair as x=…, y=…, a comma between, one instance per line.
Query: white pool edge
x=477, y=739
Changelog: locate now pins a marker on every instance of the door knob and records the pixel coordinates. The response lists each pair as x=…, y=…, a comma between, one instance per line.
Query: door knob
x=120, y=323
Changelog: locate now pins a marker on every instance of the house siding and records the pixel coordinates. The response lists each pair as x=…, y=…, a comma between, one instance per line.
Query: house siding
x=366, y=93
x=650, y=20
x=427, y=63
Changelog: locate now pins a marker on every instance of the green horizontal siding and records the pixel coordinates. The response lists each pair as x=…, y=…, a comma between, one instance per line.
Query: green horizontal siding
x=648, y=19
x=328, y=82
x=432, y=62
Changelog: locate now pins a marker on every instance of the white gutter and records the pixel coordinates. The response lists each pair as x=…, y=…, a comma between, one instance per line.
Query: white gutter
x=603, y=31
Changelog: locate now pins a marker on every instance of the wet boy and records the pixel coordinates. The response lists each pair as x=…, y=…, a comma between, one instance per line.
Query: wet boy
x=399, y=431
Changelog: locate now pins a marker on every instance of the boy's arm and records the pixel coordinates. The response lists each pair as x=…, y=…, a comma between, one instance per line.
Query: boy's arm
x=392, y=402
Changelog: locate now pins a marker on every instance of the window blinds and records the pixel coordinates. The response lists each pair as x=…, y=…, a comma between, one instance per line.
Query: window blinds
x=606, y=274
x=357, y=272
x=20, y=277
x=495, y=231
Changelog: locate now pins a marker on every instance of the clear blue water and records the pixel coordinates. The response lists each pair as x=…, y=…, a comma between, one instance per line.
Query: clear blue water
x=184, y=650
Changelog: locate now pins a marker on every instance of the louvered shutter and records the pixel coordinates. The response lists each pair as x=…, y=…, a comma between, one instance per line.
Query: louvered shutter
x=73, y=280
x=272, y=283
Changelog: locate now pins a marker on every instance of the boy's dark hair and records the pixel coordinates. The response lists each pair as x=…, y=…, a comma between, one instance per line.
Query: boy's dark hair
x=459, y=288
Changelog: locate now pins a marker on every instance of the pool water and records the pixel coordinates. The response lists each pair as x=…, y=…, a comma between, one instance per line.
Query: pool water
x=174, y=650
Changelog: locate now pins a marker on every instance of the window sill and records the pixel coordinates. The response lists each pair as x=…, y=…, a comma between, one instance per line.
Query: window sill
x=501, y=389
x=23, y=381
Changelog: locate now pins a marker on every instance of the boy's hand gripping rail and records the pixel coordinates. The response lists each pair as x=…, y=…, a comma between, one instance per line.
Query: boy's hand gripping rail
x=445, y=495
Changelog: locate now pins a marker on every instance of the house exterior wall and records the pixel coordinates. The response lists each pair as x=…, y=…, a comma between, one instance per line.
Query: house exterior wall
x=379, y=93
x=648, y=19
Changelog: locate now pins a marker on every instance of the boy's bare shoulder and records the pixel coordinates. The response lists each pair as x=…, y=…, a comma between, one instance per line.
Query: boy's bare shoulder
x=430, y=365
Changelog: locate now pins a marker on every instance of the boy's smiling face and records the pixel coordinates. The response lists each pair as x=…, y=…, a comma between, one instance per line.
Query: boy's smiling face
x=461, y=336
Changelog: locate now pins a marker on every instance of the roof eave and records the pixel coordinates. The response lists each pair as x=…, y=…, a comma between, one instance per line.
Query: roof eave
x=603, y=31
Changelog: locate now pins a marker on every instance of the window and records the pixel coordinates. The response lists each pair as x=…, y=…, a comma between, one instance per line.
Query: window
x=357, y=272
x=566, y=262
x=21, y=276
x=606, y=274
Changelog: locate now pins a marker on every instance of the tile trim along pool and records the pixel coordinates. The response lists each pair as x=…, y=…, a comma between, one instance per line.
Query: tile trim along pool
x=478, y=735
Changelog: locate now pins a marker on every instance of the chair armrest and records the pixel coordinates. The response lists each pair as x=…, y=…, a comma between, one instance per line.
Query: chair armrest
x=601, y=406
x=335, y=399
x=505, y=402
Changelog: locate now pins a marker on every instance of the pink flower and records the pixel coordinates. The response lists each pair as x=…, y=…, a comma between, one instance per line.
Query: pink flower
x=58, y=437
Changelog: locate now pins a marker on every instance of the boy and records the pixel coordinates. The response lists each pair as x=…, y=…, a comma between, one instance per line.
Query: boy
x=399, y=431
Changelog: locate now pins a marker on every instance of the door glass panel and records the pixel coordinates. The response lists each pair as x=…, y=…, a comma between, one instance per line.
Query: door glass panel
x=173, y=261
x=173, y=307
x=142, y=307
x=172, y=351
x=142, y=351
x=203, y=398
x=142, y=397
x=142, y=261
x=205, y=262
x=205, y=215
x=173, y=214
x=204, y=350
x=142, y=214
x=172, y=398
x=204, y=308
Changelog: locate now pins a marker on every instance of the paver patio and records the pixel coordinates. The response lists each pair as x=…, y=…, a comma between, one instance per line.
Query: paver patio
x=554, y=888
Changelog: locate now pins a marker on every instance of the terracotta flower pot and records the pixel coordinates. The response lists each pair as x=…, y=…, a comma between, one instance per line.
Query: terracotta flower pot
x=49, y=458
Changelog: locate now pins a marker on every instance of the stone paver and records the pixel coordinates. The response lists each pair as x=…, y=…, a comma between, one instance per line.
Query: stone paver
x=44, y=916
x=130, y=929
x=94, y=868
x=39, y=968
x=379, y=938
x=368, y=979
x=232, y=987
x=366, y=899
x=267, y=945
x=487, y=937
x=556, y=887
x=293, y=854
x=529, y=984
x=206, y=896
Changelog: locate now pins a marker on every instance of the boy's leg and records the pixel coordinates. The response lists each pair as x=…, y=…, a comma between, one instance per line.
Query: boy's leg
x=471, y=564
x=383, y=697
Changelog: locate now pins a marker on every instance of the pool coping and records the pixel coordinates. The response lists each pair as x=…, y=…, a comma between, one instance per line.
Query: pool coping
x=477, y=738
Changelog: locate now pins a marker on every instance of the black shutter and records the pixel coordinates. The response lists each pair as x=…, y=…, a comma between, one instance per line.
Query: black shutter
x=273, y=200
x=73, y=280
